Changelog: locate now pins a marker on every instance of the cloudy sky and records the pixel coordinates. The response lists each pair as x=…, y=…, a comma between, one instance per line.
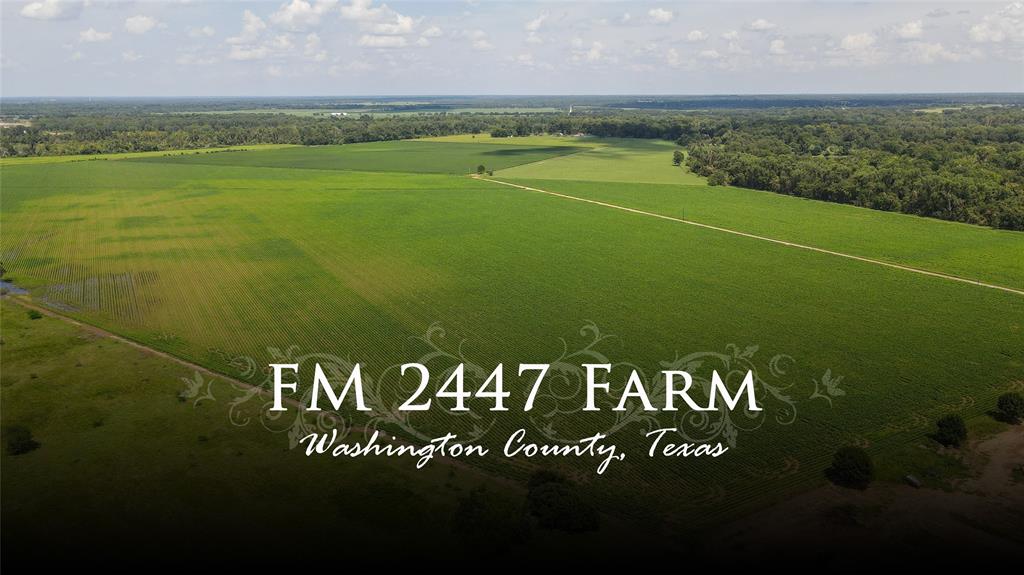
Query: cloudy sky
x=364, y=47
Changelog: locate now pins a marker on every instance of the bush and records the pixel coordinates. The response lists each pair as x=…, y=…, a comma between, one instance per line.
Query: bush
x=952, y=431
x=718, y=179
x=481, y=169
x=1011, y=406
x=34, y=314
x=851, y=467
x=18, y=440
x=557, y=504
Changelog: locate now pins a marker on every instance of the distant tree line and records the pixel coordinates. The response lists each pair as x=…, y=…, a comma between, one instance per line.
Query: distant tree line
x=962, y=164
x=966, y=166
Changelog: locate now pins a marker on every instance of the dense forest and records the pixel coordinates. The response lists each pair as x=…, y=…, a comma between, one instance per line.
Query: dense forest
x=964, y=164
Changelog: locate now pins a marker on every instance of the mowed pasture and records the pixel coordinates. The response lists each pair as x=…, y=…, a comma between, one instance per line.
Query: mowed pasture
x=211, y=262
x=404, y=156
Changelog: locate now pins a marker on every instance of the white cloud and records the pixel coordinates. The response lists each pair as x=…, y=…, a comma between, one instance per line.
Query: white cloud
x=777, y=47
x=203, y=31
x=254, y=41
x=426, y=35
x=301, y=14
x=375, y=41
x=131, y=56
x=532, y=27
x=527, y=60
x=696, y=36
x=252, y=27
x=313, y=49
x=50, y=10
x=360, y=10
x=350, y=66
x=856, y=50
x=536, y=23
x=193, y=59
x=398, y=24
x=931, y=52
x=730, y=35
x=660, y=15
x=243, y=53
x=478, y=39
x=582, y=53
x=377, y=19
x=672, y=58
x=76, y=56
x=857, y=42
x=1005, y=25
x=709, y=54
x=275, y=71
x=92, y=35
x=760, y=25
x=139, y=24
x=736, y=49
x=910, y=30
x=281, y=42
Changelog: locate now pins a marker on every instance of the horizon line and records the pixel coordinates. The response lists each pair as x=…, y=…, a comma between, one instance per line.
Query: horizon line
x=536, y=95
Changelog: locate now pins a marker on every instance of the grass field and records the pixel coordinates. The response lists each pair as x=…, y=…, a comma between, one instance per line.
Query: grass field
x=405, y=156
x=117, y=445
x=972, y=252
x=215, y=256
x=615, y=160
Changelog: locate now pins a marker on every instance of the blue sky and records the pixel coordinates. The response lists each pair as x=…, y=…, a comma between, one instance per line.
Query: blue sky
x=362, y=47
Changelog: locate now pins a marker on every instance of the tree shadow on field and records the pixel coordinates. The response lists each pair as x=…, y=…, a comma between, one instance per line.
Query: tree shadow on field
x=529, y=151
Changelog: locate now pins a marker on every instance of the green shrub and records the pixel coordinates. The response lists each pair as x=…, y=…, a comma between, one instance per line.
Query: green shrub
x=18, y=440
x=851, y=467
x=34, y=314
x=718, y=179
x=951, y=430
x=1011, y=406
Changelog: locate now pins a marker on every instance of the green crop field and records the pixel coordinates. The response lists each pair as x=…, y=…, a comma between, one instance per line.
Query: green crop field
x=405, y=156
x=973, y=252
x=614, y=160
x=213, y=257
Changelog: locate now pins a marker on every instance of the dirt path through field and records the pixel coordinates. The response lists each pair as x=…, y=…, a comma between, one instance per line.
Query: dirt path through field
x=246, y=385
x=757, y=237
